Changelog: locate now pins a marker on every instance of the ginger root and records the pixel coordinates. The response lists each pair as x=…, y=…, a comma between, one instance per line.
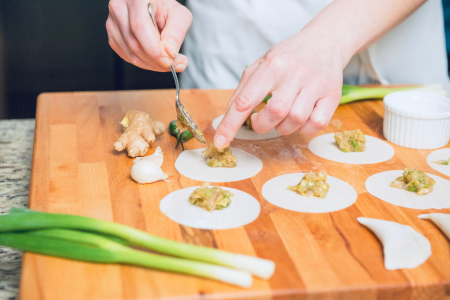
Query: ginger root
x=140, y=132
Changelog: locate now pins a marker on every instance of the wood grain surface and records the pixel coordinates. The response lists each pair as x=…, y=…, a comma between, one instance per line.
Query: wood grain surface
x=318, y=256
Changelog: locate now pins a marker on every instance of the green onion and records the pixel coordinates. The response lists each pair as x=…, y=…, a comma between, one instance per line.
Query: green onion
x=344, y=150
x=352, y=93
x=412, y=189
x=24, y=219
x=90, y=247
x=267, y=98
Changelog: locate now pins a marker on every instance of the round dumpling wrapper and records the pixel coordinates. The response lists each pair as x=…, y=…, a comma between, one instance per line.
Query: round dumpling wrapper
x=378, y=185
x=441, y=154
x=242, y=210
x=192, y=164
x=244, y=133
x=376, y=151
x=339, y=196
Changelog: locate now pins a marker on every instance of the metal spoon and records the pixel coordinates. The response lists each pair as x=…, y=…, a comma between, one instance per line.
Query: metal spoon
x=182, y=113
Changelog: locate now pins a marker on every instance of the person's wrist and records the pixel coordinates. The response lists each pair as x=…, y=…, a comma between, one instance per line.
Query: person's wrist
x=337, y=44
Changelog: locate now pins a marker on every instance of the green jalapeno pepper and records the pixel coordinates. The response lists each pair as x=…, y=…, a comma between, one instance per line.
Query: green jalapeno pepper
x=180, y=136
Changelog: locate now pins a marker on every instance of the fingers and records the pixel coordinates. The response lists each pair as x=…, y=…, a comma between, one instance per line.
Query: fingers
x=179, y=20
x=122, y=39
x=133, y=36
x=118, y=44
x=276, y=109
x=248, y=72
x=248, y=98
x=321, y=115
x=115, y=39
x=180, y=63
x=299, y=112
x=147, y=42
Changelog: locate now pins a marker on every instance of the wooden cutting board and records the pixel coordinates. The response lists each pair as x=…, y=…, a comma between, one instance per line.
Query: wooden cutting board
x=318, y=256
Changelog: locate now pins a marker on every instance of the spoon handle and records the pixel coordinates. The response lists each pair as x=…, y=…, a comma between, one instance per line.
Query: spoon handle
x=175, y=77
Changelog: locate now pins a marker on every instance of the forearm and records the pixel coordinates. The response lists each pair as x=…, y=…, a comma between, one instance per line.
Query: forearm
x=353, y=25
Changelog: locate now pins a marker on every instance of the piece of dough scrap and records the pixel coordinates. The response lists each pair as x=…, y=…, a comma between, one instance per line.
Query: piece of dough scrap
x=441, y=220
x=403, y=247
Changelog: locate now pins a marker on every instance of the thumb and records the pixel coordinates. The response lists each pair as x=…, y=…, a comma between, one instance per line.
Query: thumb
x=178, y=21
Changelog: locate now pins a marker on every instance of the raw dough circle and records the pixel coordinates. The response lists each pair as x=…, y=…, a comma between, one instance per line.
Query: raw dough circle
x=340, y=195
x=438, y=155
x=377, y=150
x=193, y=165
x=378, y=185
x=242, y=210
x=247, y=134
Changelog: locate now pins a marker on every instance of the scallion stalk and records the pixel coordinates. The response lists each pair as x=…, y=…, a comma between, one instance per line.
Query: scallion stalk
x=352, y=93
x=90, y=247
x=267, y=98
x=24, y=219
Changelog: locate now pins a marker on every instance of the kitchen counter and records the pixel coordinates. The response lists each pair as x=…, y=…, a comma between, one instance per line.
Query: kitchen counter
x=16, y=149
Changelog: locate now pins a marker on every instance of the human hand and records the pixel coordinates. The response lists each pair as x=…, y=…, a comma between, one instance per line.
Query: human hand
x=304, y=75
x=133, y=36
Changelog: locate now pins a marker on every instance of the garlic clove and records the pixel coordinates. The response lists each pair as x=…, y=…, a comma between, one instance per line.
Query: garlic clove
x=156, y=157
x=145, y=171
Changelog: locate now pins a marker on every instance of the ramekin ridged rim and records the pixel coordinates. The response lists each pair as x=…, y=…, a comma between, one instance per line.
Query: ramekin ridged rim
x=388, y=99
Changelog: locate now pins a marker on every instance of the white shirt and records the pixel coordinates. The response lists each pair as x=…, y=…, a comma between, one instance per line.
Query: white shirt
x=228, y=35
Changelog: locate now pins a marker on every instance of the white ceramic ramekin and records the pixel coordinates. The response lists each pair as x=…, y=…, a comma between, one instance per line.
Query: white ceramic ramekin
x=417, y=120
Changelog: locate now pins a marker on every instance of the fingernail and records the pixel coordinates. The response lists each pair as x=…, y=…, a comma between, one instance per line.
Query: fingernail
x=180, y=68
x=220, y=142
x=165, y=62
x=172, y=46
x=253, y=116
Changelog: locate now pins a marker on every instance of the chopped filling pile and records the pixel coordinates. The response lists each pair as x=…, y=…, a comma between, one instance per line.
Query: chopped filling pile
x=210, y=198
x=181, y=126
x=219, y=159
x=351, y=140
x=312, y=184
x=414, y=181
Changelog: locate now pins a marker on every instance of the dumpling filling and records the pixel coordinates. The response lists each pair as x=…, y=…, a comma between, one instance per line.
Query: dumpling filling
x=351, y=140
x=210, y=198
x=312, y=184
x=219, y=159
x=442, y=162
x=414, y=181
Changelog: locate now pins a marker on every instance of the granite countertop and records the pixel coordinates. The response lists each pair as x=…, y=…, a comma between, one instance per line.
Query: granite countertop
x=16, y=148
